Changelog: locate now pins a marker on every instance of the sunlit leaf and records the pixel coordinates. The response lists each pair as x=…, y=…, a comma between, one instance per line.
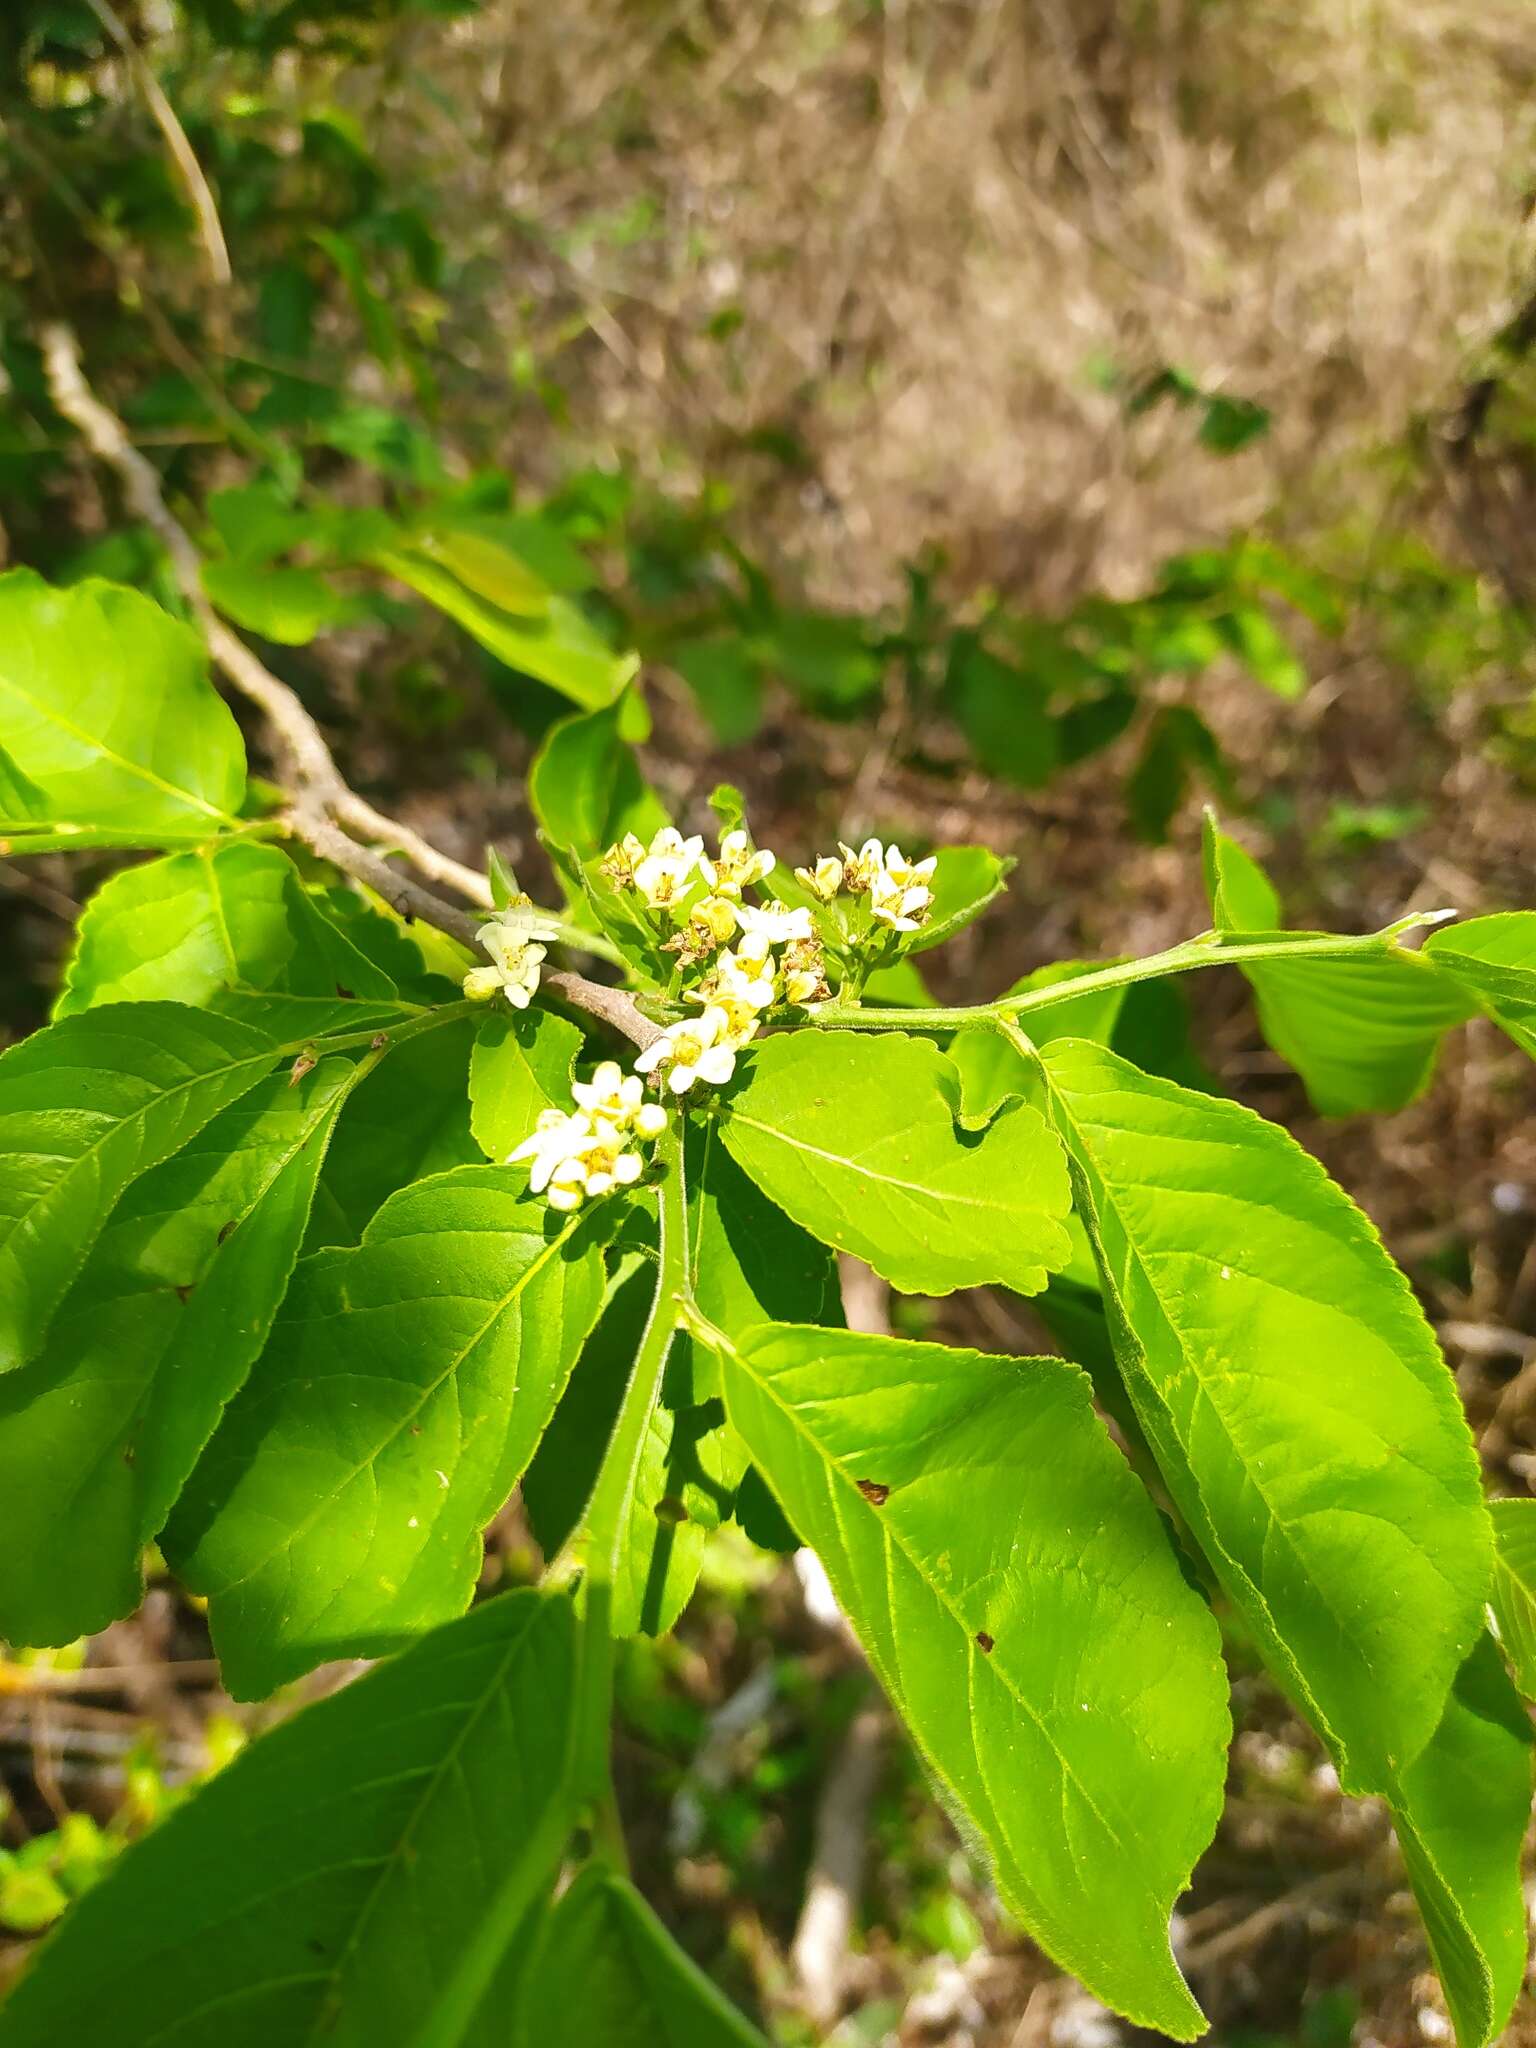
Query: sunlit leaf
x=339, y=1508
x=1023, y=1607
x=346, y=1876
x=856, y=1139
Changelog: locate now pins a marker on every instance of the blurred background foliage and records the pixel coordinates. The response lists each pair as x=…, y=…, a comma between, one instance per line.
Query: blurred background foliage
x=1001, y=420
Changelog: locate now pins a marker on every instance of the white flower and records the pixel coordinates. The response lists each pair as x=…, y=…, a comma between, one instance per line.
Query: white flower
x=772, y=925
x=746, y=979
x=523, y=917
x=823, y=880
x=559, y=1137
x=668, y=867
x=611, y=1093
x=902, y=909
x=692, y=1051
x=606, y=1164
x=515, y=957
x=861, y=868
x=567, y=1184
x=619, y=862
x=737, y=865
x=908, y=874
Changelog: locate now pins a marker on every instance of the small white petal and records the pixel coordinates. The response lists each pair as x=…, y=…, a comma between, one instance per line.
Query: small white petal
x=717, y=1065
x=680, y=1080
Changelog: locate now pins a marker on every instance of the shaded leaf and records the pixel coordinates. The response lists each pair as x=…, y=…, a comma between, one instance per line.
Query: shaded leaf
x=1494, y=959
x=608, y=1972
x=1363, y=1034
x=521, y=1066
x=560, y=647
x=1514, y=1586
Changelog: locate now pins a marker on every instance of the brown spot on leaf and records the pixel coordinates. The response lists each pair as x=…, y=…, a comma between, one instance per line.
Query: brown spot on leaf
x=378, y=1044
x=226, y=1228
x=984, y=1642
x=184, y=1292
x=872, y=1490
x=670, y=1509
x=345, y=993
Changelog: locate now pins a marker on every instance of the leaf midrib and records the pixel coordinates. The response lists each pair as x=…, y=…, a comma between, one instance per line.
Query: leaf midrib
x=427, y=1393
x=51, y=714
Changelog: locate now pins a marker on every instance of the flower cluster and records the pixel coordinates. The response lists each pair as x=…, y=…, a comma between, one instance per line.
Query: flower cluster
x=897, y=889
x=588, y=1151
x=516, y=939
x=732, y=958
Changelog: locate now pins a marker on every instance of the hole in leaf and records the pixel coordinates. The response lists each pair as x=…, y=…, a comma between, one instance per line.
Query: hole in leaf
x=872, y=1490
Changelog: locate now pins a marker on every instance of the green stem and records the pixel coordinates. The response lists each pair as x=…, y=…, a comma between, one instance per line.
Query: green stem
x=580, y=940
x=392, y=1034
x=595, y=1549
x=1209, y=950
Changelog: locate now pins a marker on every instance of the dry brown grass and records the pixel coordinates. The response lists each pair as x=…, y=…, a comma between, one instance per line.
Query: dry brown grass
x=940, y=221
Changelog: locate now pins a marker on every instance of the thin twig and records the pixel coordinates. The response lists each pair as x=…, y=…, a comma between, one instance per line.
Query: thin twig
x=321, y=793
x=210, y=230
x=615, y=1006
x=300, y=738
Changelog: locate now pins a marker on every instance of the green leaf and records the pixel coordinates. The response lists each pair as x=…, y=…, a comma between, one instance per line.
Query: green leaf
x=1514, y=1586
x=227, y=917
x=560, y=648
x=1178, y=743
x=483, y=564
x=1363, y=1034
x=1004, y=714
x=100, y=1433
x=988, y=1065
x=586, y=788
x=857, y=1141
x=1293, y=1394
x=825, y=658
x=1494, y=959
x=966, y=880
x=1263, y=649
x=1460, y=1813
x=609, y=1973
x=107, y=714
x=86, y=1106
x=1023, y=1606
x=686, y=1479
x=749, y=1264
x=339, y=1509
x=521, y=1066
x=346, y=1873
x=408, y=1119
x=287, y=605
x=727, y=683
